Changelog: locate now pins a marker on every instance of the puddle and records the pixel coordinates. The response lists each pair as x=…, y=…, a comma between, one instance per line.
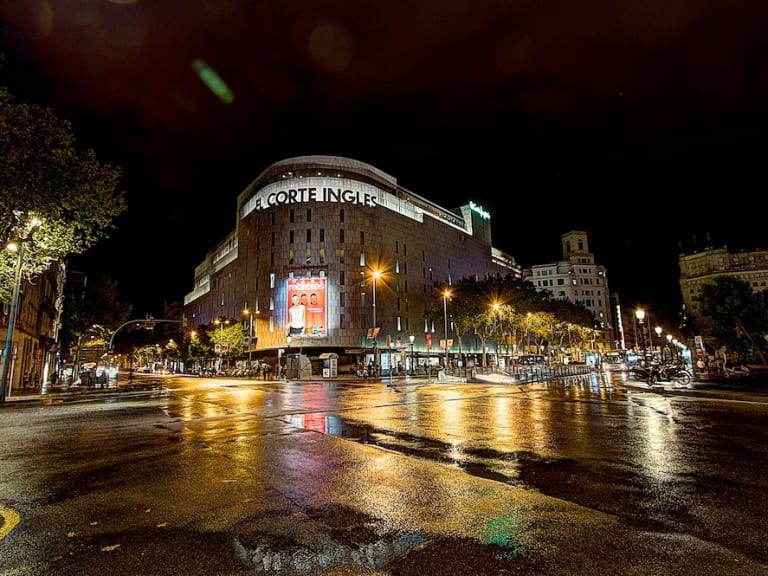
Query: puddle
x=506, y=467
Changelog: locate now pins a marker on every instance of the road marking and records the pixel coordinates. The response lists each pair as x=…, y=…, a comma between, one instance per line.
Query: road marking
x=10, y=519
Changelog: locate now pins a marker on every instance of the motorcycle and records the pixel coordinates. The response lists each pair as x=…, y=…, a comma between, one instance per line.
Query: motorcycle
x=677, y=373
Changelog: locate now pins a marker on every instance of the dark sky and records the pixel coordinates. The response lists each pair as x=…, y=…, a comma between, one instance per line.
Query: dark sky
x=642, y=122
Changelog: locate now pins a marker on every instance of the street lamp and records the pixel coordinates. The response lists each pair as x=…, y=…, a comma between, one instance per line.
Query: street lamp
x=658, y=335
x=221, y=321
x=671, y=346
x=446, y=294
x=250, y=335
x=18, y=247
x=287, y=339
x=375, y=276
x=412, y=338
x=640, y=316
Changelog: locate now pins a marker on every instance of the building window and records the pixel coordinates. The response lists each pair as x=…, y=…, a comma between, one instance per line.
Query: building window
x=291, y=216
x=341, y=278
x=341, y=236
x=309, y=234
x=273, y=239
x=362, y=259
x=290, y=237
x=340, y=255
x=271, y=303
x=322, y=234
x=272, y=280
x=309, y=214
x=341, y=215
x=291, y=256
x=362, y=237
x=322, y=255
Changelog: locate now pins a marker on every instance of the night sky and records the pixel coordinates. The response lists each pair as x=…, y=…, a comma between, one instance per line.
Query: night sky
x=642, y=122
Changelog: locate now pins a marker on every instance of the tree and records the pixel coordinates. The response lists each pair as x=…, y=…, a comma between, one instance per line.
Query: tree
x=72, y=195
x=90, y=302
x=737, y=317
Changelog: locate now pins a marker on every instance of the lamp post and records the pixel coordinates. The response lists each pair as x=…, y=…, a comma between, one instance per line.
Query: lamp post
x=671, y=346
x=412, y=338
x=446, y=294
x=640, y=316
x=658, y=336
x=287, y=339
x=250, y=335
x=18, y=247
x=375, y=276
x=221, y=321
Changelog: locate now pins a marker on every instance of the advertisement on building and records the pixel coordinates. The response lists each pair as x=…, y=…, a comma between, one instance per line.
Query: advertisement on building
x=306, y=307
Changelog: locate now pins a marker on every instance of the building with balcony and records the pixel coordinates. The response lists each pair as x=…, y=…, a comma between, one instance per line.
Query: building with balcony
x=326, y=249
x=34, y=342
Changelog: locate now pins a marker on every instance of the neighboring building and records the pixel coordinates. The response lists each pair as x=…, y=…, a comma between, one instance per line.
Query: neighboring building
x=702, y=267
x=368, y=249
x=34, y=339
x=578, y=279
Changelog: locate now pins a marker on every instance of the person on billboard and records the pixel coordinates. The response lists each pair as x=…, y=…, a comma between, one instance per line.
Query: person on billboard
x=297, y=313
x=316, y=315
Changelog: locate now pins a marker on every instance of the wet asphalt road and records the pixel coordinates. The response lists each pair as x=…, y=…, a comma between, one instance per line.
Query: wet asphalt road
x=230, y=477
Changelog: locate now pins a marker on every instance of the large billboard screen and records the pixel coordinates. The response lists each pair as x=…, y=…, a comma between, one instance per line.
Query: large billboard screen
x=306, y=307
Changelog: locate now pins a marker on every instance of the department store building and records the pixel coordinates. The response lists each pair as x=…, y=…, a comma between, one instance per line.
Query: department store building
x=369, y=252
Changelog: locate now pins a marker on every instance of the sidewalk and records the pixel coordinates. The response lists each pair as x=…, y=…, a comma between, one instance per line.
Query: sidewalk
x=60, y=394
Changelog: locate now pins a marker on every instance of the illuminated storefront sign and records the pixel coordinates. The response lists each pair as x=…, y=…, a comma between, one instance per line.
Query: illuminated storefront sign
x=307, y=312
x=312, y=190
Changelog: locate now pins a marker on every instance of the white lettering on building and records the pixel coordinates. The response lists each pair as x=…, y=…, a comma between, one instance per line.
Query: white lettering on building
x=312, y=190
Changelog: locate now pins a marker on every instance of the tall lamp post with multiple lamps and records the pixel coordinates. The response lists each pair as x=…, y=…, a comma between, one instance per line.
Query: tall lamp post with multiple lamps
x=446, y=295
x=18, y=247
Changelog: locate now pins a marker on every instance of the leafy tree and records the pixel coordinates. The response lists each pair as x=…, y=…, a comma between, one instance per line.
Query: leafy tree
x=91, y=301
x=72, y=195
x=509, y=311
x=227, y=333
x=735, y=316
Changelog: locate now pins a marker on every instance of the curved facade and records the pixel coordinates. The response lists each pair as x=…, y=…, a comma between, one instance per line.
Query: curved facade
x=369, y=251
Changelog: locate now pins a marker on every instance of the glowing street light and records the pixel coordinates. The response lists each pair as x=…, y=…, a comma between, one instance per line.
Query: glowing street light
x=640, y=316
x=446, y=295
x=412, y=338
x=220, y=323
x=250, y=334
